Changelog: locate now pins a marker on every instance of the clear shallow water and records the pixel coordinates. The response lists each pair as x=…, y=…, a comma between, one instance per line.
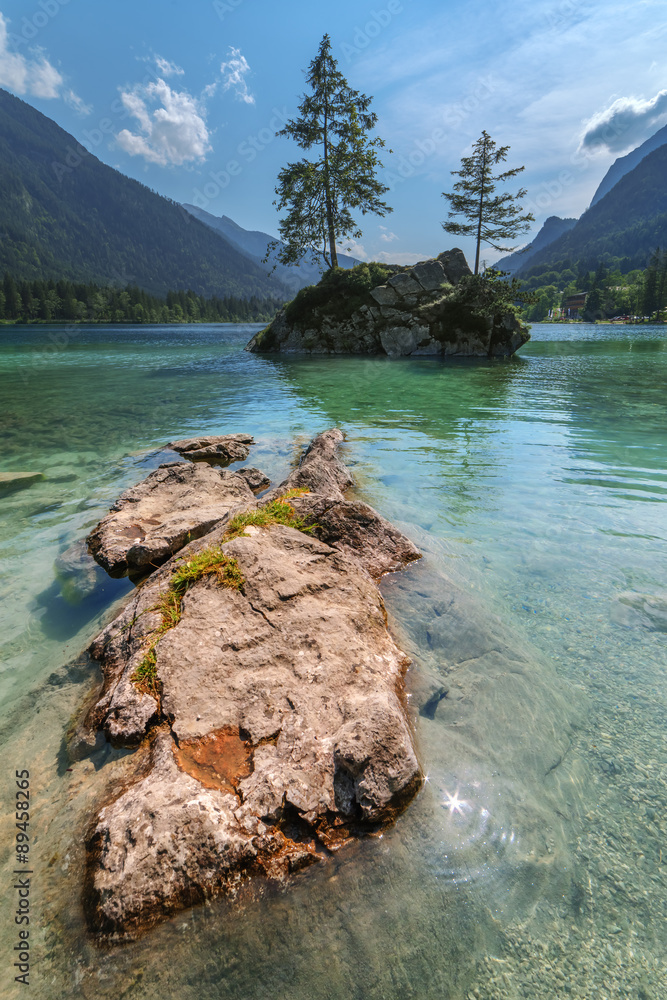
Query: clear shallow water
x=532, y=862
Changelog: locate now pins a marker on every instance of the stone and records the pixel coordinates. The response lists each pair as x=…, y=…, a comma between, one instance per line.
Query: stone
x=385, y=295
x=320, y=470
x=10, y=482
x=405, y=284
x=279, y=733
x=454, y=265
x=218, y=449
x=430, y=275
x=255, y=479
x=179, y=501
x=399, y=341
x=77, y=573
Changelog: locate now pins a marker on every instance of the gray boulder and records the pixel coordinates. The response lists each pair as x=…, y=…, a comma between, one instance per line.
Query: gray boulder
x=176, y=503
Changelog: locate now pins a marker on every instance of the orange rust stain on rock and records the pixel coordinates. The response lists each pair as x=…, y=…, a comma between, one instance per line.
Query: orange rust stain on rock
x=218, y=760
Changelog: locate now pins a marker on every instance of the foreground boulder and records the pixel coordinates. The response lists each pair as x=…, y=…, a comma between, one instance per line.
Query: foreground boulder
x=176, y=503
x=429, y=309
x=266, y=696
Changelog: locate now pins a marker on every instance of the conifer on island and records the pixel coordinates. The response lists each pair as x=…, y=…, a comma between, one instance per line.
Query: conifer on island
x=321, y=194
x=491, y=217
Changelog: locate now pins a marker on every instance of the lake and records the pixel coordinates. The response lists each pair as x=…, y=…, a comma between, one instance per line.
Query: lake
x=532, y=862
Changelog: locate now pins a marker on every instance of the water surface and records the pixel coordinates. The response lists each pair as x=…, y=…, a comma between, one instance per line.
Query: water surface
x=532, y=862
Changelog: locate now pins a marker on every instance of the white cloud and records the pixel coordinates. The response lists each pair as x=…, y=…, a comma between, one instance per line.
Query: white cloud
x=172, y=125
x=624, y=123
x=167, y=68
x=386, y=235
x=33, y=74
x=353, y=249
x=234, y=72
x=27, y=75
x=77, y=103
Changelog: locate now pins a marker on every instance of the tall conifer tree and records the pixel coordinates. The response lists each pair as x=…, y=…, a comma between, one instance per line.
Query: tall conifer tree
x=320, y=194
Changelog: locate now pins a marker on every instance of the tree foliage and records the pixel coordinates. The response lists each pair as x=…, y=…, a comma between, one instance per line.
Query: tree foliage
x=320, y=194
x=492, y=218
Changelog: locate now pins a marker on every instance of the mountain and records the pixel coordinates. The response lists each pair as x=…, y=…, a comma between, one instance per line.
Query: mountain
x=65, y=214
x=629, y=222
x=254, y=244
x=624, y=164
x=550, y=231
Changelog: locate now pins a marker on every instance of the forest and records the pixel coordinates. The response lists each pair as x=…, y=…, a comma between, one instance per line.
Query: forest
x=64, y=301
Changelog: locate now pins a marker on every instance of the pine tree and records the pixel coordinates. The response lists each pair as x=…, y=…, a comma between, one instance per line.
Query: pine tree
x=491, y=217
x=320, y=194
x=651, y=285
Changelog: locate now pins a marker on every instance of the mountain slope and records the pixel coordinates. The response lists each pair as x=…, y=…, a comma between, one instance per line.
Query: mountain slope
x=550, y=231
x=65, y=214
x=628, y=222
x=254, y=244
x=624, y=164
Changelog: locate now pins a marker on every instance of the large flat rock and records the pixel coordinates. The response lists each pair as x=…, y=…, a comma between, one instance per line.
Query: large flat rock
x=176, y=503
x=278, y=729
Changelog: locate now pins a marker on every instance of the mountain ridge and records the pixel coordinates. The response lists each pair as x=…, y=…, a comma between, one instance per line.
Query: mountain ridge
x=66, y=214
x=628, y=222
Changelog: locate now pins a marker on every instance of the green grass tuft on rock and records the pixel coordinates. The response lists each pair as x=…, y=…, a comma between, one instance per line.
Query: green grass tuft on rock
x=278, y=511
x=208, y=562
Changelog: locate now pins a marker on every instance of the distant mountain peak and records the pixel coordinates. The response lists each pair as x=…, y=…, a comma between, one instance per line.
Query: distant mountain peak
x=624, y=164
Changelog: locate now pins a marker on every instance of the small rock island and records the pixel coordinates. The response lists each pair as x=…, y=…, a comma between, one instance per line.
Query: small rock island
x=253, y=674
x=434, y=308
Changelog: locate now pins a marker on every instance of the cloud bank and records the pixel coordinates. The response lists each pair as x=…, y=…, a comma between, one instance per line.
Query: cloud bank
x=623, y=124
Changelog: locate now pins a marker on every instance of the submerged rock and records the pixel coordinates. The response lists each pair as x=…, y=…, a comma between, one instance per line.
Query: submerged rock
x=10, y=482
x=420, y=310
x=275, y=720
x=176, y=503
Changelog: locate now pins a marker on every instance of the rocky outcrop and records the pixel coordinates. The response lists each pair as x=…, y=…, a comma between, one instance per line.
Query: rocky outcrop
x=176, y=503
x=274, y=729
x=418, y=311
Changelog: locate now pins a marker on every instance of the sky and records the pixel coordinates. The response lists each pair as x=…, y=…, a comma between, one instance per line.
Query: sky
x=187, y=97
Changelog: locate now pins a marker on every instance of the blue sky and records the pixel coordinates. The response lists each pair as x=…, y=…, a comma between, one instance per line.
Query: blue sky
x=186, y=97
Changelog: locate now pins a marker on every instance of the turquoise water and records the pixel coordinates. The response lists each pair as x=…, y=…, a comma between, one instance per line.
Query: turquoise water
x=531, y=865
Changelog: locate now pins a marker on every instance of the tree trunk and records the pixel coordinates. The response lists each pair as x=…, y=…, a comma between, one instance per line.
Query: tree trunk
x=481, y=209
x=333, y=256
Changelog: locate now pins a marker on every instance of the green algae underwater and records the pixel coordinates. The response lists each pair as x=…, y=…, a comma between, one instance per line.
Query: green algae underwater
x=531, y=864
